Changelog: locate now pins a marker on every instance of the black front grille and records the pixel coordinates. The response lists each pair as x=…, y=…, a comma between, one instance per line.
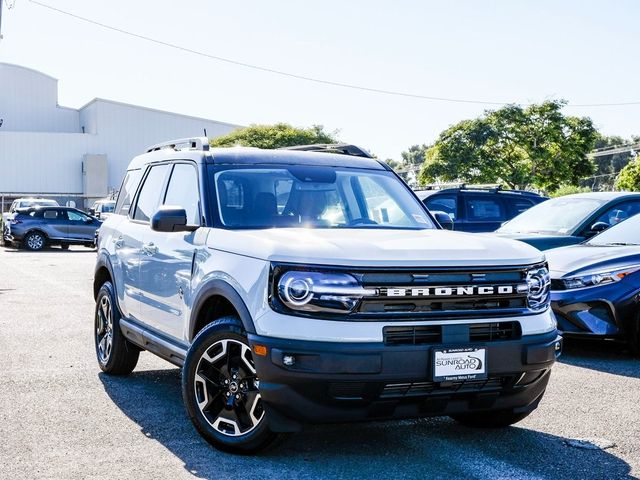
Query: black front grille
x=490, y=332
x=433, y=334
x=444, y=292
x=418, y=389
x=372, y=391
x=412, y=335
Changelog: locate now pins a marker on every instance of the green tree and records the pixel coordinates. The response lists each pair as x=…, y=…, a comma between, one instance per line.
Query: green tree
x=275, y=136
x=609, y=166
x=414, y=155
x=629, y=177
x=519, y=146
x=569, y=190
x=393, y=163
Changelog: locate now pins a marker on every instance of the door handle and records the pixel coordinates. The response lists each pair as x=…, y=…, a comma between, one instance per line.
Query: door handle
x=150, y=248
x=118, y=242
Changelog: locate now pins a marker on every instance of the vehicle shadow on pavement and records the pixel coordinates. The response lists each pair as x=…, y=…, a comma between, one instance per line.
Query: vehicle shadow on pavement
x=604, y=356
x=427, y=448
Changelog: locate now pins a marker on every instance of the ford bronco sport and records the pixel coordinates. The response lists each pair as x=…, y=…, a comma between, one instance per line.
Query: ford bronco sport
x=301, y=287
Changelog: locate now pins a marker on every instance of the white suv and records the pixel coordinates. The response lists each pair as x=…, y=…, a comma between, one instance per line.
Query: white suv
x=296, y=286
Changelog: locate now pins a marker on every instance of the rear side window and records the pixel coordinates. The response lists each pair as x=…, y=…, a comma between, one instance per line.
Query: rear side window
x=520, y=205
x=77, y=216
x=443, y=203
x=149, y=197
x=183, y=191
x=127, y=191
x=50, y=214
x=484, y=209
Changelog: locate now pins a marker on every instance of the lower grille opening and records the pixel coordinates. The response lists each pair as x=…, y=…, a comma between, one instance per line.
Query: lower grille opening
x=489, y=332
x=418, y=389
x=412, y=335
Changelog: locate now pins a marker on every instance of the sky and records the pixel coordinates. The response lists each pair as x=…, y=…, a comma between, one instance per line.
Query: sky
x=520, y=51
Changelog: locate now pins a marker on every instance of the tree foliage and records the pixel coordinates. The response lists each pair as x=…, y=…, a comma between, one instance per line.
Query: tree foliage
x=415, y=155
x=275, y=136
x=609, y=166
x=629, y=177
x=569, y=190
x=519, y=146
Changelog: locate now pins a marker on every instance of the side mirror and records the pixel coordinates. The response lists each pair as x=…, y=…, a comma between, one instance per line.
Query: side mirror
x=92, y=211
x=597, y=228
x=171, y=219
x=443, y=219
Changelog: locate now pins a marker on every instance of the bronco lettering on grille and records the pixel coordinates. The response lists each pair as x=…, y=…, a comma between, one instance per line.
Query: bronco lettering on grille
x=471, y=290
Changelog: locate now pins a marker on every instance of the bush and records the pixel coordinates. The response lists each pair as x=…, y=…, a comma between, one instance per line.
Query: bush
x=629, y=177
x=568, y=190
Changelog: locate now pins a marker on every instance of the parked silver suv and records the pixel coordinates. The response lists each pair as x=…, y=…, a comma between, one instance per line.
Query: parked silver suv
x=296, y=286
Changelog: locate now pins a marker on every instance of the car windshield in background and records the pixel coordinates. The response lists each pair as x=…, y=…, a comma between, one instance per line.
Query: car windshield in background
x=624, y=233
x=559, y=216
x=38, y=203
x=316, y=197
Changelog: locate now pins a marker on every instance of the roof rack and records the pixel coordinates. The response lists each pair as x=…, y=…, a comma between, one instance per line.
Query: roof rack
x=195, y=143
x=340, y=148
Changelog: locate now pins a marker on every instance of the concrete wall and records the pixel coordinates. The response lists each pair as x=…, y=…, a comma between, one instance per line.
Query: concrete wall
x=43, y=162
x=29, y=102
x=42, y=145
x=124, y=131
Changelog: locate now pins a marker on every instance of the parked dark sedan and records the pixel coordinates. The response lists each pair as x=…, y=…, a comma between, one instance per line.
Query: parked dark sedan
x=571, y=219
x=35, y=228
x=595, y=286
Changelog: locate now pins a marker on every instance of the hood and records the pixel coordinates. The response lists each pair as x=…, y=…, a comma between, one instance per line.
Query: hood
x=542, y=241
x=369, y=247
x=570, y=261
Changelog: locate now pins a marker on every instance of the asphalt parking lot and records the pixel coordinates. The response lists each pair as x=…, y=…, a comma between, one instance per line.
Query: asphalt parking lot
x=61, y=418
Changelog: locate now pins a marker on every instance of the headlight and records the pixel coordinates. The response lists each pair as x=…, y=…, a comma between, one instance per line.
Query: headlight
x=538, y=283
x=597, y=278
x=320, y=292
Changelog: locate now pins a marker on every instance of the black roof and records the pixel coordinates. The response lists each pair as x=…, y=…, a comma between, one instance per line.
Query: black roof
x=428, y=193
x=341, y=148
x=257, y=156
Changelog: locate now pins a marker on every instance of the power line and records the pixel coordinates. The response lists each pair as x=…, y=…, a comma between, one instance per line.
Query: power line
x=298, y=76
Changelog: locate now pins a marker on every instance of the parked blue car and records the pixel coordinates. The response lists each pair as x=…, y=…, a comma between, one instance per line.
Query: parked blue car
x=571, y=219
x=35, y=228
x=595, y=286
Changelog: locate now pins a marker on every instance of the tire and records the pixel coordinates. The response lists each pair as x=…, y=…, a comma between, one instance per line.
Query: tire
x=220, y=389
x=115, y=354
x=35, y=241
x=499, y=419
x=64, y=246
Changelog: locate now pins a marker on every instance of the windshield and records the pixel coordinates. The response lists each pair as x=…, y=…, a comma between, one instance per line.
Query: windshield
x=626, y=232
x=559, y=216
x=108, y=207
x=37, y=203
x=316, y=197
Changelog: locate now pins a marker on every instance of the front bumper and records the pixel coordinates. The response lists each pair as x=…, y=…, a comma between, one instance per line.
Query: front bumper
x=608, y=311
x=344, y=382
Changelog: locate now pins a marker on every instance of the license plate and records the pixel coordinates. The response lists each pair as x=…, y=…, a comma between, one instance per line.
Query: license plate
x=452, y=364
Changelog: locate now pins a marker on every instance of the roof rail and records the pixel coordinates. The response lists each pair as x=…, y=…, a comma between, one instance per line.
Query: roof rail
x=341, y=148
x=195, y=143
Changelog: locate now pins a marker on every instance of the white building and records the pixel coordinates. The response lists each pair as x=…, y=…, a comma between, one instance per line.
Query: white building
x=76, y=155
